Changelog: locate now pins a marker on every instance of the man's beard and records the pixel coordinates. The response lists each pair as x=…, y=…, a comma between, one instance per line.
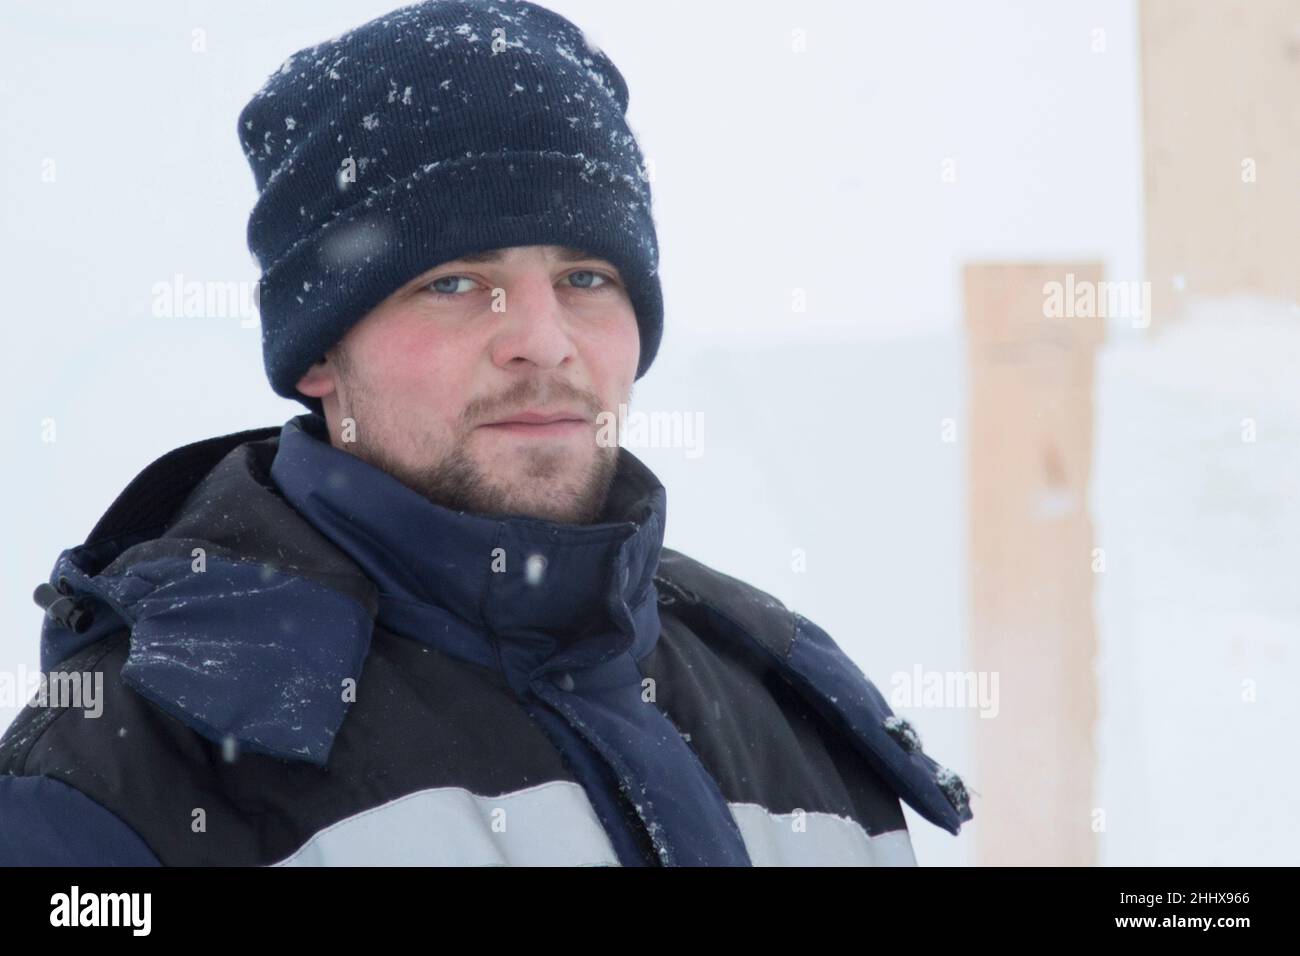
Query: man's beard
x=459, y=482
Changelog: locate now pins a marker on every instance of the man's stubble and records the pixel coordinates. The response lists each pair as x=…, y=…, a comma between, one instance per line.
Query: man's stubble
x=457, y=481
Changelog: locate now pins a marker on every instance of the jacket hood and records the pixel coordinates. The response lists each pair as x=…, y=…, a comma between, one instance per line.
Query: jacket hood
x=244, y=620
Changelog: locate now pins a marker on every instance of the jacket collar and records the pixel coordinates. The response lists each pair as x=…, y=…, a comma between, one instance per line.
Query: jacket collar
x=541, y=587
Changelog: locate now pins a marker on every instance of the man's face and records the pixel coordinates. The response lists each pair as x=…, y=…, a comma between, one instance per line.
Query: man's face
x=430, y=375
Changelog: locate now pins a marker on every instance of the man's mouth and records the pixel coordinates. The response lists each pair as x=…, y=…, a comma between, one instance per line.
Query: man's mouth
x=540, y=424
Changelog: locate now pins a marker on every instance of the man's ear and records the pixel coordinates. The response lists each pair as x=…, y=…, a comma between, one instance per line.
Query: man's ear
x=318, y=380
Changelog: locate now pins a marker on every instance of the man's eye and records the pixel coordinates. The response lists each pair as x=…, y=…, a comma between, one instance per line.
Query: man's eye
x=586, y=279
x=447, y=285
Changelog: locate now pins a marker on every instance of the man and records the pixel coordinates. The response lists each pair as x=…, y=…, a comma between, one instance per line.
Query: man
x=432, y=620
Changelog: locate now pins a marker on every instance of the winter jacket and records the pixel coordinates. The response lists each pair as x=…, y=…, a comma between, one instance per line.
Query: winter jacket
x=305, y=662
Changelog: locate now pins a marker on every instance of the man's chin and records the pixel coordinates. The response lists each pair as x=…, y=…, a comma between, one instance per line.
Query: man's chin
x=567, y=498
x=561, y=485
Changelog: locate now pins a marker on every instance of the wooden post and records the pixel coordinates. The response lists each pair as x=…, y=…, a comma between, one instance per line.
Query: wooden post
x=1221, y=145
x=1031, y=560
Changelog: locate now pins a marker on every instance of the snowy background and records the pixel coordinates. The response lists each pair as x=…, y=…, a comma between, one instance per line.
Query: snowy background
x=774, y=171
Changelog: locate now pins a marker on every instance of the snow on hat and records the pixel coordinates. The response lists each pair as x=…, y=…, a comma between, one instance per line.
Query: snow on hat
x=440, y=129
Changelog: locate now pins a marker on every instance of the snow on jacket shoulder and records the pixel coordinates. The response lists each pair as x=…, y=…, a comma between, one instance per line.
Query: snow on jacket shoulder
x=292, y=675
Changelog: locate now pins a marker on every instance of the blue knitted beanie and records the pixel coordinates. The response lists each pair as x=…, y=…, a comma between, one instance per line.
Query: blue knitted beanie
x=443, y=128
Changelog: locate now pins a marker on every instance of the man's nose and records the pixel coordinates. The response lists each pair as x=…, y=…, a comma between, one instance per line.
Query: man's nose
x=533, y=327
